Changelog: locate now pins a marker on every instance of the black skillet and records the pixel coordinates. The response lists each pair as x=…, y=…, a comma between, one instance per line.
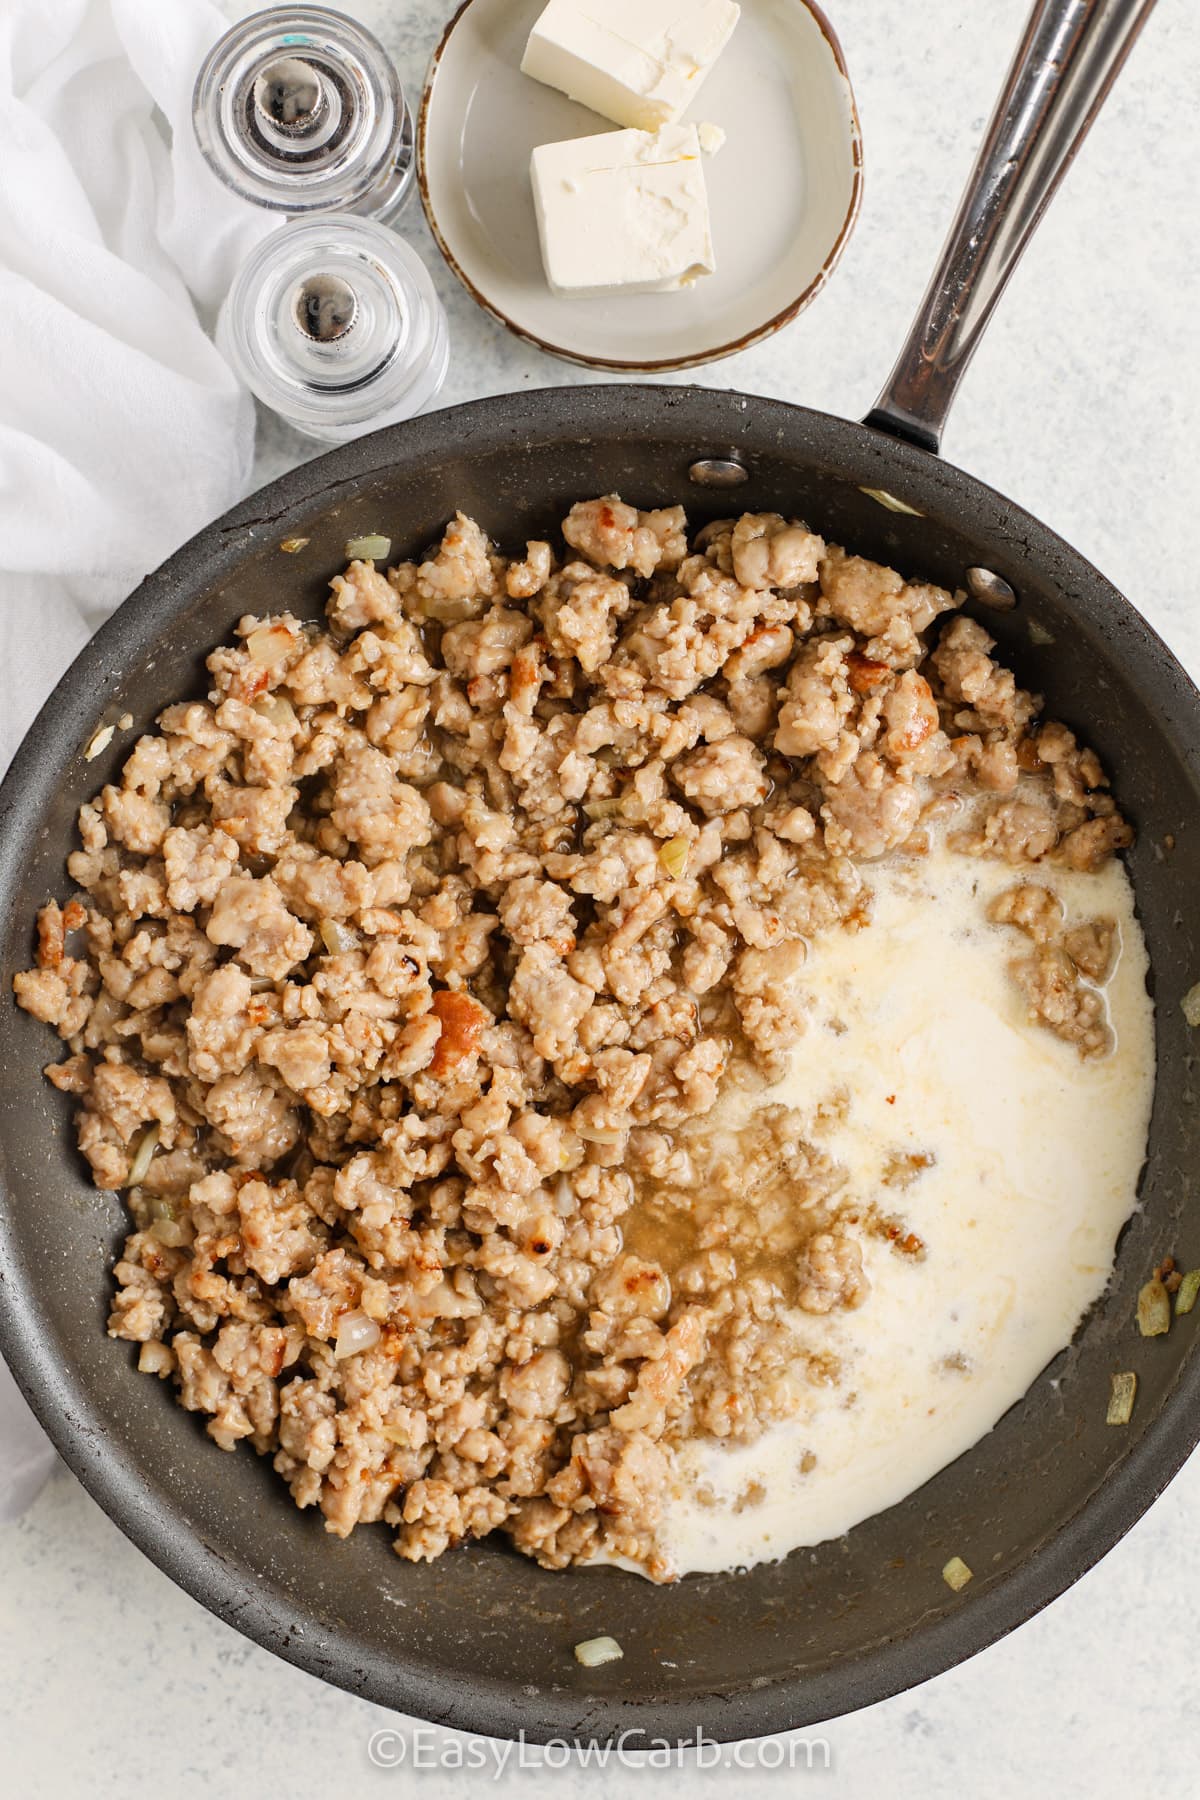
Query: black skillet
x=483, y=1638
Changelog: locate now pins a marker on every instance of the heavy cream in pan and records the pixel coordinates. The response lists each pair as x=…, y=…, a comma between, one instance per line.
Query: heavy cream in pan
x=1033, y=1161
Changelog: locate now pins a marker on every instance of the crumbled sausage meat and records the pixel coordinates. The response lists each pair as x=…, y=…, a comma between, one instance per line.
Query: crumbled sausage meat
x=1061, y=980
x=413, y=959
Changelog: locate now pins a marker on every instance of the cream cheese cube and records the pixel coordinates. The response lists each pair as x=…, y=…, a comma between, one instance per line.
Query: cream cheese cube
x=637, y=62
x=625, y=211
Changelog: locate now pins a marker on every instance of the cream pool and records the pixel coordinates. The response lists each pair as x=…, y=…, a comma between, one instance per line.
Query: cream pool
x=1035, y=1157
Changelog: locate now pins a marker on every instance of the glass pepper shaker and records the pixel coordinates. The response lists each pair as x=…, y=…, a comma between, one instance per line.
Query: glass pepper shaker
x=335, y=324
x=300, y=109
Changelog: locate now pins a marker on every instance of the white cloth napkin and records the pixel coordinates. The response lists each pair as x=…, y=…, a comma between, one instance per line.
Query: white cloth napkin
x=122, y=431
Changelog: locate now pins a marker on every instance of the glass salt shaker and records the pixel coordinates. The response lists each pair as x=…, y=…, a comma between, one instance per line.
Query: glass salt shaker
x=300, y=109
x=335, y=324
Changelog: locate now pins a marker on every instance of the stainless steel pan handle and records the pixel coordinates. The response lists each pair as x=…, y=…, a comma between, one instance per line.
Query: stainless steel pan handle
x=1068, y=59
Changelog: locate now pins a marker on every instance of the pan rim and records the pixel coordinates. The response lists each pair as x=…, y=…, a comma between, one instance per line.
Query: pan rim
x=125, y=1488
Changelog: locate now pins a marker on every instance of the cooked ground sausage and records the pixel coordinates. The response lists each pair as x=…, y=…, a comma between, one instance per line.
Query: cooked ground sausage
x=411, y=961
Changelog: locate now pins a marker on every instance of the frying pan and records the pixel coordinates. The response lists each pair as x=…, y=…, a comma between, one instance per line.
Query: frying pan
x=482, y=1638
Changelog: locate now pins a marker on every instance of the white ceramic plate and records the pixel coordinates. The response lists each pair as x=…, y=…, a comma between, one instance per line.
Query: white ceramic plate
x=783, y=191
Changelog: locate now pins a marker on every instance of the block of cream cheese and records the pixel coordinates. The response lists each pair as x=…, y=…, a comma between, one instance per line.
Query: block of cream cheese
x=638, y=62
x=626, y=211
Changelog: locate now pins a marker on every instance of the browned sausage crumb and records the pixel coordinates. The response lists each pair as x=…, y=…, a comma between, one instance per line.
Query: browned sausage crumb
x=1060, y=979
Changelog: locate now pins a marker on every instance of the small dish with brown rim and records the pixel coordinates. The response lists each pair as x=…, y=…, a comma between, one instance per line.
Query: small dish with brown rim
x=784, y=189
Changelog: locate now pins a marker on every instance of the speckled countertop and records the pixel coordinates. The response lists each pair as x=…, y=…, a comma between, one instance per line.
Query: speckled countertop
x=1083, y=406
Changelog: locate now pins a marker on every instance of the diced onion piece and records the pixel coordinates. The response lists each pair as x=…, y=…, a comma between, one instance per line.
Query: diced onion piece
x=443, y=610
x=673, y=855
x=159, y=1207
x=355, y=1332
x=1120, y=1401
x=336, y=937
x=276, y=707
x=291, y=545
x=593, y=1653
x=890, y=501
x=1154, y=1309
x=369, y=548
x=602, y=809
x=396, y=1434
x=143, y=1155
x=169, y=1232
x=599, y=1134
x=956, y=1574
x=99, y=743
x=1191, y=1005
x=269, y=644
x=1189, y=1288
x=1040, y=634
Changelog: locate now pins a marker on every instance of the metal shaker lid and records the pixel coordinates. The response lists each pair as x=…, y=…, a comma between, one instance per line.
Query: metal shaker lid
x=300, y=109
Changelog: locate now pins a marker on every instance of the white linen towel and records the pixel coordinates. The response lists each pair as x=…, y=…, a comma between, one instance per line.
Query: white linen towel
x=122, y=431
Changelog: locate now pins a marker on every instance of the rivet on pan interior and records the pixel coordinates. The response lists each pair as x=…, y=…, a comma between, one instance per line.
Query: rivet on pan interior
x=991, y=589
x=718, y=472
